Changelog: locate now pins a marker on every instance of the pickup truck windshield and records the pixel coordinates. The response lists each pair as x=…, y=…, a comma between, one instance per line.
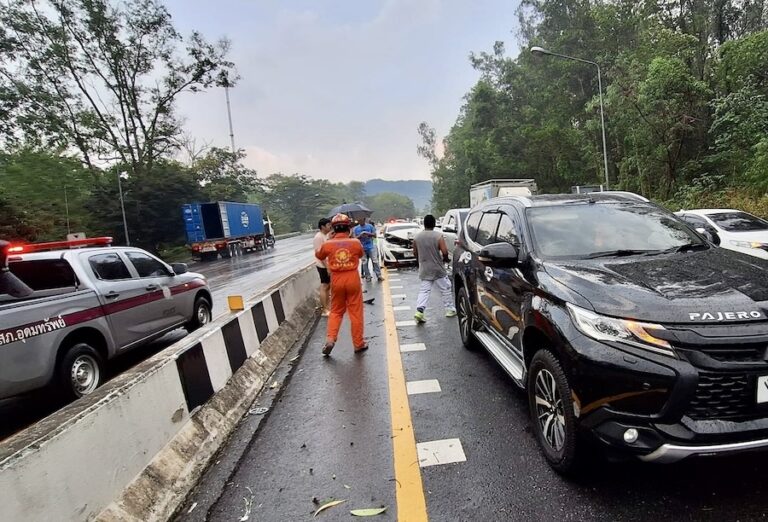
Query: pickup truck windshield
x=605, y=229
x=45, y=274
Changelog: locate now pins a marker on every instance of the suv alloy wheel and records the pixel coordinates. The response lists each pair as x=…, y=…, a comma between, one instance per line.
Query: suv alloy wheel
x=552, y=415
x=466, y=321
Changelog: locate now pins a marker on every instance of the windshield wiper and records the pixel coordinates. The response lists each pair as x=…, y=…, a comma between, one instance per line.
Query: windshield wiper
x=621, y=253
x=685, y=248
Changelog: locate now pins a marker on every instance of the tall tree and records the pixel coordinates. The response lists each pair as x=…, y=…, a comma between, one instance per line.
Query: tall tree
x=100, y=76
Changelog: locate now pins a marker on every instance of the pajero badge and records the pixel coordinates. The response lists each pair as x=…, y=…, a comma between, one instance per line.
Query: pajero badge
x=726, y=316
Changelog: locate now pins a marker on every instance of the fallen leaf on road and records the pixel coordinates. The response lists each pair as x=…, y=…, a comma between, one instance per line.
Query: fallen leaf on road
x=347, y=486
x=328, y=505
x=368, y=512
x=295, y=358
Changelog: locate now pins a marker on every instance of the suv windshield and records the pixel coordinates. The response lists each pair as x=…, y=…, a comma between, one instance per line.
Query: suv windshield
x=593, y=229
x=738, y=221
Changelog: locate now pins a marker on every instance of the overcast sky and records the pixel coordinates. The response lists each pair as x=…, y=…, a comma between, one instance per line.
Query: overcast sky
x=335, y=89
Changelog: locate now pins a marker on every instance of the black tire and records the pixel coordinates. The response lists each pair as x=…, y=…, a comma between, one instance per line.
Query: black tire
x=466, y=321
x=552, y=416
x=201, y=315
x=80, y=371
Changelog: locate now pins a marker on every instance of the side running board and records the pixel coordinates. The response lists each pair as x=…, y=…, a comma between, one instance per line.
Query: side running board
x=511, y=362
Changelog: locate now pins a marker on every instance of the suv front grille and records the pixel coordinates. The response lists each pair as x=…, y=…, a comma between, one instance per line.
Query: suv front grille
x=745, y=353
x=725, y=396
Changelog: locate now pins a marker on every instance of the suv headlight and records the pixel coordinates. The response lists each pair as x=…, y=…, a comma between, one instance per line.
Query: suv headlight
x=602, y=328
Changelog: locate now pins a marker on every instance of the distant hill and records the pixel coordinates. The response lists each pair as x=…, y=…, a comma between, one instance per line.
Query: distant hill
x=419, y=191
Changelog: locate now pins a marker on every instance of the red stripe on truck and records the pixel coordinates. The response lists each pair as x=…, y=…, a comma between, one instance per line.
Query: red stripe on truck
x=26, y=331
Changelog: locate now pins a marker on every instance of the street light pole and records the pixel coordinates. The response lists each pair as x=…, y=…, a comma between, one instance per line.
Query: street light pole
x=542, y=51
x=122, y=207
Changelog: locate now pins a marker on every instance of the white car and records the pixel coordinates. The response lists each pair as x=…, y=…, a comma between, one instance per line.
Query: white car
x=395, y=243
x=452, y=223
x=731, y=229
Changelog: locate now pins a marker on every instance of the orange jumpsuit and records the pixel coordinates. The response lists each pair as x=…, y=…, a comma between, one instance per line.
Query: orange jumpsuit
x=342, y=255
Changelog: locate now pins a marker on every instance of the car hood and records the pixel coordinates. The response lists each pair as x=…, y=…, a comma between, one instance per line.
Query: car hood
x=758, y=235
x=404, y=233
x=716, y=284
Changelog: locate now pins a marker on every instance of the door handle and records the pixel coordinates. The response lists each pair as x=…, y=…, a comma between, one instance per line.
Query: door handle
x=112, y=295
x=151, y=288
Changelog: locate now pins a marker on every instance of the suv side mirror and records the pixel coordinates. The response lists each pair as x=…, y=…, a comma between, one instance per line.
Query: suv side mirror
x=179, y=268
x=499, y=254
x=9, y=283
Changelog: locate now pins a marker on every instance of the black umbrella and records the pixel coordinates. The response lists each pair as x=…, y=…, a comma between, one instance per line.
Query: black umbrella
x=356, y=211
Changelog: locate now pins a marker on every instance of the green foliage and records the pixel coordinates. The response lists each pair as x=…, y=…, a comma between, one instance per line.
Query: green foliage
x=685, y=90
x=99, y=76
x=388, y=205
x=38, y=191
x=224, y=177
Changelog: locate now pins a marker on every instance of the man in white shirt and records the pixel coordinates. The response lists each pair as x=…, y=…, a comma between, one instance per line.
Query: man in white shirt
x=324, y=228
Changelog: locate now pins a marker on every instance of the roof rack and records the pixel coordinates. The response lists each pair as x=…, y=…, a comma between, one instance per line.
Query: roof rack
x=60, y=245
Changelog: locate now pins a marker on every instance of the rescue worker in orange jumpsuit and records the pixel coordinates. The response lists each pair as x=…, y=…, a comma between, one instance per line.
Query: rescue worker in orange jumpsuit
x=342, y=254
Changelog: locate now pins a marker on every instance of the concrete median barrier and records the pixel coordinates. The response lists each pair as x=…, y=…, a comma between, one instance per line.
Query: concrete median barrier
x=132, y=450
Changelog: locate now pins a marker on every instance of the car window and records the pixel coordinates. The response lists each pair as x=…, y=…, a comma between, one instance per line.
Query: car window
x=486, y=232
x=147, y=266
x=696, y=221
x=472, y=223
x=584, y=230
x=507, y=231
x=738, y=221
x=451, y=222
x=45, y=274
x=109, y=267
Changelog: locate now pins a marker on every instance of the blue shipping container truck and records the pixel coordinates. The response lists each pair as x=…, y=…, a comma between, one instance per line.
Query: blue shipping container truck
x=225, y=228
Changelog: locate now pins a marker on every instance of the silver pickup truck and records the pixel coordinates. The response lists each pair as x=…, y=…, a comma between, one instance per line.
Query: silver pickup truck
x=68, y=307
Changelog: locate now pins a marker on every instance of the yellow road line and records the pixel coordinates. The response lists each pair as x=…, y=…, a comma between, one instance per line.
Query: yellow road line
x=409, y=490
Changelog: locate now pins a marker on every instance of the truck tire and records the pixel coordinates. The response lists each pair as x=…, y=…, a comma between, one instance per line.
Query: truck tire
x=201, y=315
x=80, y=371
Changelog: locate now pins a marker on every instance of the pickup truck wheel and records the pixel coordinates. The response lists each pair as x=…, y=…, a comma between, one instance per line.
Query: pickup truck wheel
x=81, y=371
x=201, y=315
x=552, y=415
x=466, y=321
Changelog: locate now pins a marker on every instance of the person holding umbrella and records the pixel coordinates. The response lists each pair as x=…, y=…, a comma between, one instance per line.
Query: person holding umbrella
x=342, y=254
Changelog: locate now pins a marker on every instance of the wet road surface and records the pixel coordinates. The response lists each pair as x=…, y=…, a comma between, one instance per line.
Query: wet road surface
x=328, y=435
x=248, y=276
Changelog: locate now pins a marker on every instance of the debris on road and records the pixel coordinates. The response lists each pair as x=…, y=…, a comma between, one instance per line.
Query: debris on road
x=368, y=512
x=258, y=411
x=328, y=505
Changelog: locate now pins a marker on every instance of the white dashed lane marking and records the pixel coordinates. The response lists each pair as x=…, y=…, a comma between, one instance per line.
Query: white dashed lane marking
x=396, y=287
x=415, y=347
x=399, y=296
x=394, y=279
x=405, y=323
x=401, y=308
x=447, y=451
x=428, y=386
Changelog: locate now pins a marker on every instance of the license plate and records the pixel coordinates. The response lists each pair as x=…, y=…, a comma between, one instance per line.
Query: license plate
x=209, y=249
x=407, y=254
x=762, y=389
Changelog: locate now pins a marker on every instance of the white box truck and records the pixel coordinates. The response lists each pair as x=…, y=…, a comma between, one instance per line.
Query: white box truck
x=493, y=188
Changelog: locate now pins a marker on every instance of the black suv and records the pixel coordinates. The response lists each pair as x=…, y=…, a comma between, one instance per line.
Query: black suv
x=621, y=323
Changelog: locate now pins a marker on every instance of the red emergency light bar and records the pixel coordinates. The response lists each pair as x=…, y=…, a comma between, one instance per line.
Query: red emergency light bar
x=60, y=245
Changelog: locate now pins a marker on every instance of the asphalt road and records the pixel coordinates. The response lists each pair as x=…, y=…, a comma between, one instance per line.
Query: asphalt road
x=247, y=276
x=328, y=435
